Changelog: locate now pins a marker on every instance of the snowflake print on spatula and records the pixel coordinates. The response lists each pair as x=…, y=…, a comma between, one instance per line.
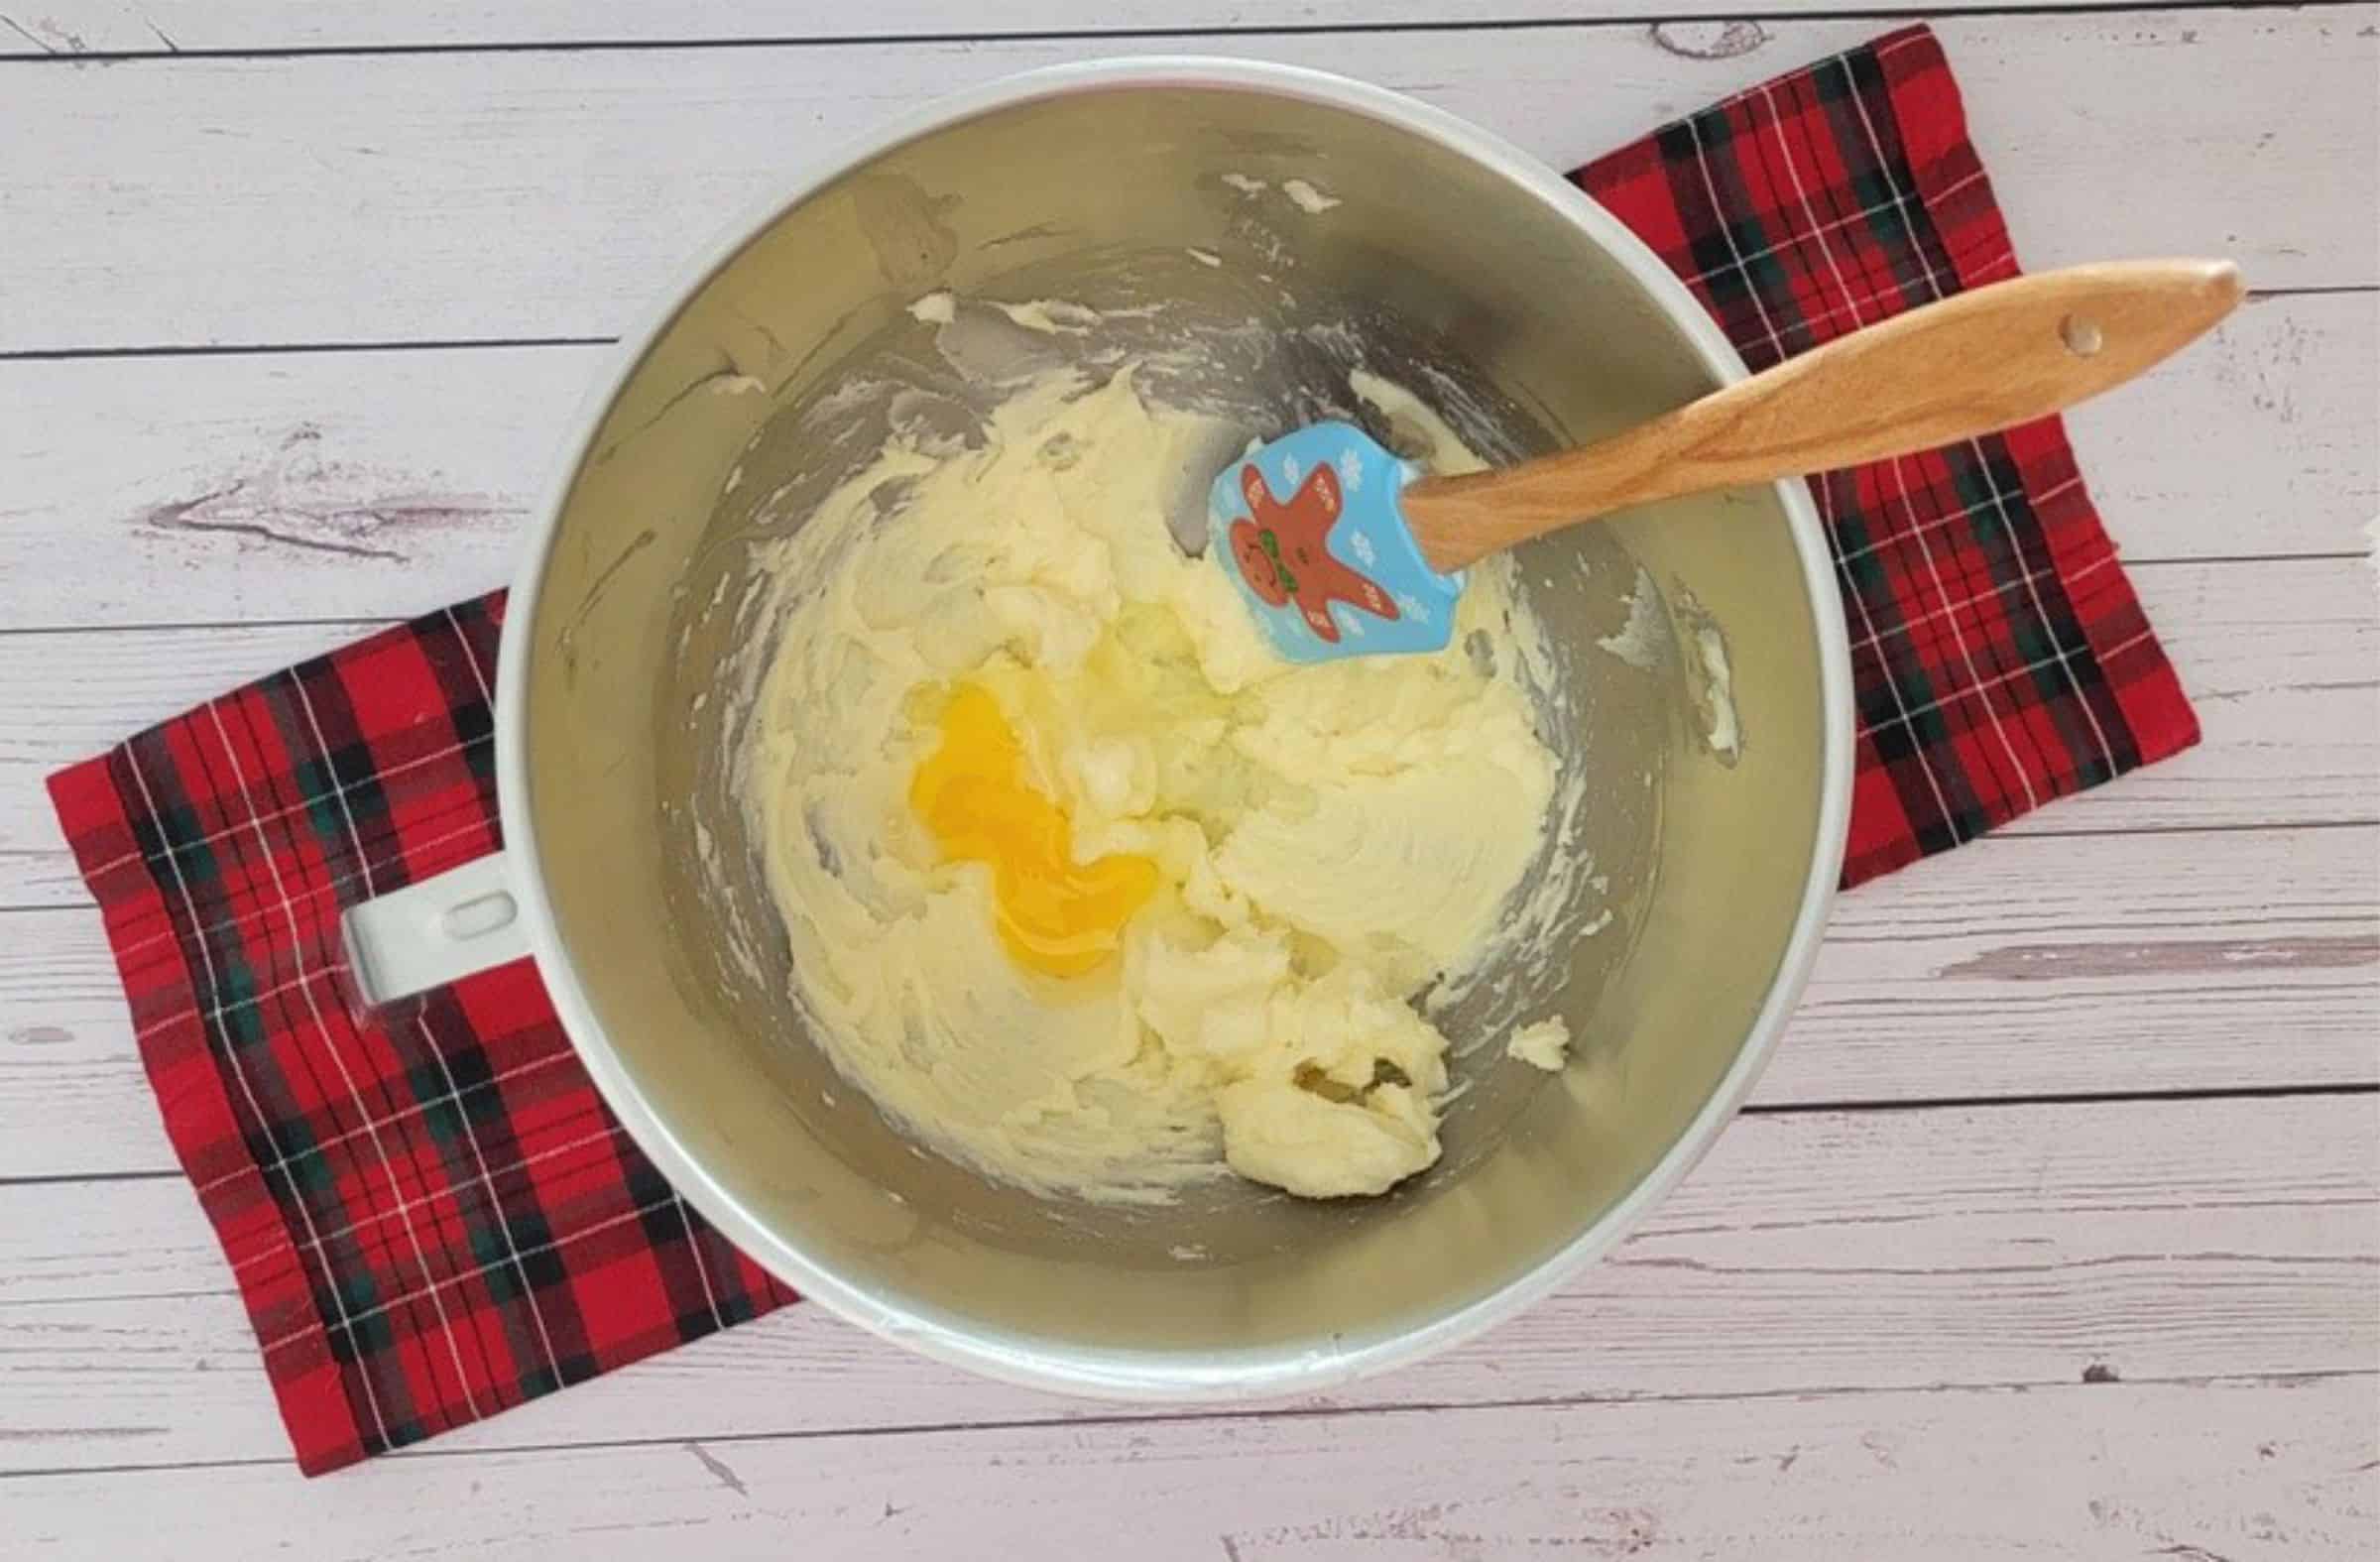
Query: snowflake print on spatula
x=1309, y=529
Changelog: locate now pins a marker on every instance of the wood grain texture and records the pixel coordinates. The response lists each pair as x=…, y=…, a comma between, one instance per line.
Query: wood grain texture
x=1955, y=370
x=65, y=28
x=2282, y=659
x=275, y=485
x=2018, y=1246
x=361, y=484
x=2016, y=966
x=391, y=198
x=2028, y=965
x=2237, y=1471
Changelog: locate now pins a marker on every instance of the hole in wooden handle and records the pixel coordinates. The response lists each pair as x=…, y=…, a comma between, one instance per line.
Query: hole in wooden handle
x=2080, y=334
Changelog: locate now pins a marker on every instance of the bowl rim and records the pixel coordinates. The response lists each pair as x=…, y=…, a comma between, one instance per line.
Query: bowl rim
x=1104, y=1371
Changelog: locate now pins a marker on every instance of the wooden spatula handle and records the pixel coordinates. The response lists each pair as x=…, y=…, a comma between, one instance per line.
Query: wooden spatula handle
x=1970, y=365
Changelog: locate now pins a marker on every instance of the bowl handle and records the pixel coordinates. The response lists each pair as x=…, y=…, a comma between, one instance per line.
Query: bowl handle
x=464, y=920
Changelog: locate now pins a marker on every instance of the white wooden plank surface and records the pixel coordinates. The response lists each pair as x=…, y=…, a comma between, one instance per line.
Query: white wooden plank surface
x=541, y=195
x=2015, y=966
x=68, y=28
x=2020, y=1246
x=2235, y=1470
x=323, y=485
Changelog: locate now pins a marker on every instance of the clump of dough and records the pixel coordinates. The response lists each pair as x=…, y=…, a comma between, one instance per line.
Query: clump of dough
x=1545, y=1045
x=1331, y=838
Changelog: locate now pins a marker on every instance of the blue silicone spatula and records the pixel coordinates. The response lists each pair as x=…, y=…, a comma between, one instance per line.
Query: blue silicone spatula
x=1342, y=549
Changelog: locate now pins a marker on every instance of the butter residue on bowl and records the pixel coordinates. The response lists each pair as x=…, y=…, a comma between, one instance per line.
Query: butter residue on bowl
x=1544, y=1044
x=1332, y=839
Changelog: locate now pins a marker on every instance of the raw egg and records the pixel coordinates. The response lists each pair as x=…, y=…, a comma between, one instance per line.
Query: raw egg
x=1054, y=915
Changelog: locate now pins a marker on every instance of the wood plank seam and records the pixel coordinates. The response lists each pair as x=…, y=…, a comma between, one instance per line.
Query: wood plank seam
x=422, y=1452
x=122, y=242
x=33, y=48
x=499, y=344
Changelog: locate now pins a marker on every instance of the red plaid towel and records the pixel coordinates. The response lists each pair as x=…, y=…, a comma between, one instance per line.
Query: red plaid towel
x=432, y=1216
x=1999, y=655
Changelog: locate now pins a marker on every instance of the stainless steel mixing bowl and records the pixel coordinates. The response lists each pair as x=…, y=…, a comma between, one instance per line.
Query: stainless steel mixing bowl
x=1499, y=284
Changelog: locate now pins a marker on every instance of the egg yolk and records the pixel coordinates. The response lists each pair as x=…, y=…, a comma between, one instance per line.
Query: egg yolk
x=1055, y=914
